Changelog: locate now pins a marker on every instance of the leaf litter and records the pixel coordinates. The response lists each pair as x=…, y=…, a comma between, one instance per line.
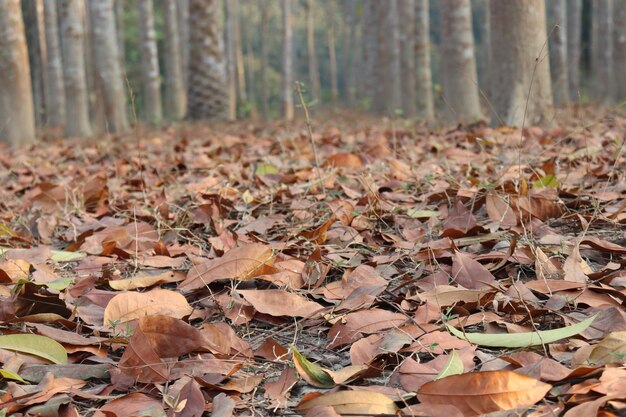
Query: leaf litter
x=430, y=272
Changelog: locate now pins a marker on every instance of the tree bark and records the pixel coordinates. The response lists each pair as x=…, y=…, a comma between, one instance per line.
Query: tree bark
x=521, y=88
x=287, y=80
x=119, y=25
x=574, y=38
x=249, y=58
x=314, y=74
x=35, y=39
x=388, y=96
x=183, y=27
x=350, y=51
x=95, y=97
x=334, y=91
x=107, y=64
x=207, y=93
x=424, y=89
x=151, y=77
x=231, y=58
x=407, y=42
x=174, y=88
x=72, y=35
x=619, y=45
x=369, y=39
x=241, y=68
x=557, y=27
x=55, y=88
x=17, y=120
x=460, y=81
x=265, y=103
x=602, y=65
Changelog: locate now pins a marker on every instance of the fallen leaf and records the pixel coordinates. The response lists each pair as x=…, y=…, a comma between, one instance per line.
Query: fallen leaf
x=351, y=402
x=129, y=306
x=34, y=344
x=281, y=303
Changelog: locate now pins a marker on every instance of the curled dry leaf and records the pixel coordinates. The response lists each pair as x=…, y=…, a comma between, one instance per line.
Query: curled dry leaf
x=611, y=349
x=350, y=402
x=134, y=305
x=484, y=392
x=281, y=303
x=324, y=378
x=240, y=263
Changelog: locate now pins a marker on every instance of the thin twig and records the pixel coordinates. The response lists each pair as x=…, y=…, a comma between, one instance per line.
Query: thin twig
x=310, y=130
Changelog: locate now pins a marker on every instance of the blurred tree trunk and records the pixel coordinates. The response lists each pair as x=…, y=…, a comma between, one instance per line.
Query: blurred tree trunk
x=619, y=45
x=55, y=89
x=388, y=96
x=287, y=81
x=424, y=89
x=350, y=50
x=574, y=39
x=520, y=65
x=241, y=68
x=207, y=93
x=107, y=64
x=249, y=58
x=17, y=119
x=602, y=60
x=94, y=85
x=557, y=30
x=460, y=81
x=481, y=9
x=314, y=74
x=406, y=11
x=174, y=88
x=119, y=25
x=183, y=27
x=72, y=35
x=35, y=39
x=265, y=101
x=231, y=59
x=369, y=39
x=334, y=91
x=151, y=77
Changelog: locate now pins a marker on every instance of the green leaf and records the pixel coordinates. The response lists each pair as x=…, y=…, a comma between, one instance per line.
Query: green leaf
x=312, y=373
x=454, y=366
x=37, y=345
x=265, y=169
x=10, y=375
x=519, y=340
x=417, y=214
x=60, y=284
x=546, y=181
x=65, y=256
x=6, y=231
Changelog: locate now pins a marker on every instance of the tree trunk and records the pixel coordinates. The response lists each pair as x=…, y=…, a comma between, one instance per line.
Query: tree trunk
x=481, y=11
x=72, y=35
x=35, y=39
x=424, y=89
x=619, y=45
x=174, y=88
x=95, y=97
x=287, y=80
x=119, y=25
x=334, y=91
x=387, y=92
x=574, y=38
x=250, y=67
x=520, y=65
x=241, y=69
x=55, y=95
x=265, y=101
x=369, y=37
x=151, y=77
x=208, y=96
x=558, y=50
x=314, y=74
x=107, y=64
x=407, y=42
x=231, y=59
x=460, y=81
x=350, y=51
x=17, y=119
x=602, y=65
x=183, y=27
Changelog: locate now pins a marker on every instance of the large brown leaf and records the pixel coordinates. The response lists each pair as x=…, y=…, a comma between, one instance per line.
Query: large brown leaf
x=281, y=303
x=129, y=306
x=469, y=273
x=484, y=392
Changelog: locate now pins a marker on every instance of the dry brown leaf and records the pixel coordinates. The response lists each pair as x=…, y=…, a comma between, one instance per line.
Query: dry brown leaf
x=129, y=306
x=350, y=402
x=469, y=273
x=281, y=303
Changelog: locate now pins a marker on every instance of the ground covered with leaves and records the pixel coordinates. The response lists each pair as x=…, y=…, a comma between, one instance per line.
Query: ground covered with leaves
x=410, y=271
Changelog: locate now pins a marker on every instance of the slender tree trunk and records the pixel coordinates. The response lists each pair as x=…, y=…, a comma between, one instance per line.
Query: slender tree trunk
x=119, y=25
x=55, y=89
x=35, y=36
x=95, y=97
x=387, y=92
x=334, y=90
x=460, y=81
x=151, y=77
x=107, y=63
x=349, y=51
x=207, y=93
x=231, y=60
x=407, y=41
x=520, y=65
x=394, y=78
x=250, y=67
x=265, y=100
x=558, y=50
x=481, y=10
x=17, y=119
x=241, y=68
x=72, y=35
x=174, y=89
x=574, y=38
x=183, y=27
x=287, y=61
x=602, y=66
x=369, y=37
x=619, y=45
x=314, y=74
x=425, y=106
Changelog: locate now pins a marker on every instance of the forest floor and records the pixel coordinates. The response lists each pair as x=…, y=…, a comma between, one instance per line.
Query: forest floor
x=411, y=271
